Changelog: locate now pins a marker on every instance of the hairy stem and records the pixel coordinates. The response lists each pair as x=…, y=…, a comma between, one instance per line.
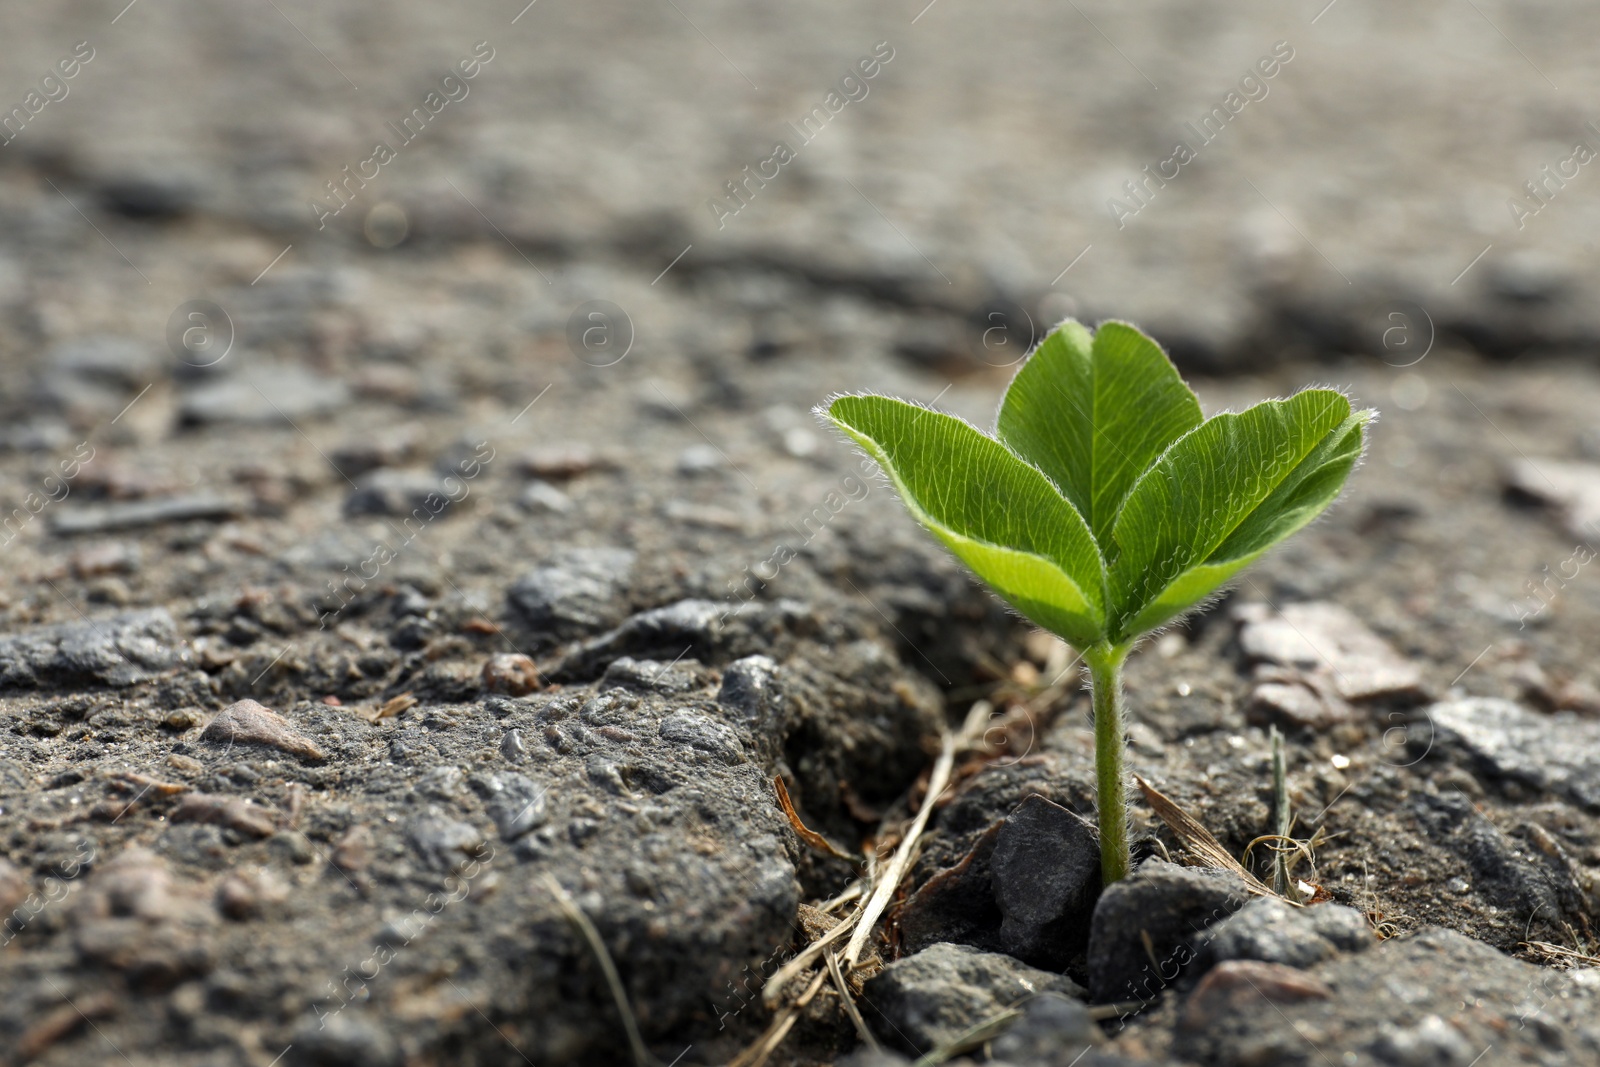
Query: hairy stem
x=1105, y=676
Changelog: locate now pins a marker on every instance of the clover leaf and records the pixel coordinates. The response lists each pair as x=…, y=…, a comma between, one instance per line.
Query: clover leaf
x=1106, y=504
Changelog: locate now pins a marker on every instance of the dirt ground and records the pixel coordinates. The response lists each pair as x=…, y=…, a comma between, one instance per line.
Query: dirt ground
x=493, y=478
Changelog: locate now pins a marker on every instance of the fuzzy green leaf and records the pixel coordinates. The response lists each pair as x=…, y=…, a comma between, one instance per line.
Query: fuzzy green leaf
x=1001, y=516
x=1093, y=413
x=1222, y=495
x=1107, y=507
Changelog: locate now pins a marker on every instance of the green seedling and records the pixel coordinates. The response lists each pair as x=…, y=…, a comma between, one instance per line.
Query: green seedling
x=1106, y=505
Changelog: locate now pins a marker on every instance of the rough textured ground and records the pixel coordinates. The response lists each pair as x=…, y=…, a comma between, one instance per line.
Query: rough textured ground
x=518, y=602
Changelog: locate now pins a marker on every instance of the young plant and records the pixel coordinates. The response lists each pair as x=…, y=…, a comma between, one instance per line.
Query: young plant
x=1106, y=505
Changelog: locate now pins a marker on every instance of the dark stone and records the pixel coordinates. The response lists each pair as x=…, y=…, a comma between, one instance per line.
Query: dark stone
x=1160, y=911
x=1046, y=876
x=957, y=904
x=933, y=997
x=151, y=199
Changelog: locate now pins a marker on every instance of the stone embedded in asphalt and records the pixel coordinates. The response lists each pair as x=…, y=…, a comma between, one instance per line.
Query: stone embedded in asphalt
x=1053, y=1029
x=711, y=631
x=1327, y=639
x=1149, y=928
x=1045, y=871
x=704, y=733
x=933, y=997
x=579, y=591
x=119, y=650
x=1271, y=931
x=245, y=722
x=1558, y=753
x=514, y=801
x=131, y=514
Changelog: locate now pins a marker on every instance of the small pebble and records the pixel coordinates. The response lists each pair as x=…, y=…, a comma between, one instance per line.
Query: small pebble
x=559, y=463
x=511, y=673
x=539, y=495
x=249, y=723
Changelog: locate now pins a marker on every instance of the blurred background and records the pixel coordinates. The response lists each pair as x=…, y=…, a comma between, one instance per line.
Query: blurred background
x=983, y=162
x=271, y=270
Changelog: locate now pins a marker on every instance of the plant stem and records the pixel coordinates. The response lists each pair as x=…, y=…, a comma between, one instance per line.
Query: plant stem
x=1280, y=815
x=1105, y=675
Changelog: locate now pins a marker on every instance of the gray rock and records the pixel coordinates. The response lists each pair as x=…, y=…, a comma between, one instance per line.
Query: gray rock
x=931, y=998
x=1328, y=640
x=1161, y=910
x=700, y=459
x=1558, y=753
x=1432, y=1042
x=1270, y=930
x=262, y=394
x=1570, y=488
x=120, y=650
x=131, y=514
x=443, y=842
x=1054, y=1031
x=1045, y=872
x=420, y=495
x=122, y=361
x=579, y=591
